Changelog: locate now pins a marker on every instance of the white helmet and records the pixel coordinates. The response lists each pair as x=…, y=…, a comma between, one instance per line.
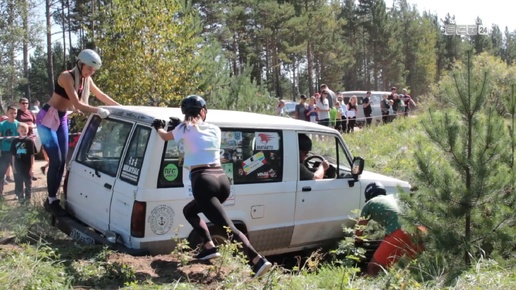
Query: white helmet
x=91, y=58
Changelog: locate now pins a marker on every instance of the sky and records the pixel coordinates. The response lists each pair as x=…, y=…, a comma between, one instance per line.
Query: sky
x=499, y=12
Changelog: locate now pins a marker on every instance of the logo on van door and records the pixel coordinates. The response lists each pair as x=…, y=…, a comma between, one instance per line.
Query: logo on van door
x=161, y=219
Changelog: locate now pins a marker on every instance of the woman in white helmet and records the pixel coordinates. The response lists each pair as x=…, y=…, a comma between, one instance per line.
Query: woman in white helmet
x=72, y=90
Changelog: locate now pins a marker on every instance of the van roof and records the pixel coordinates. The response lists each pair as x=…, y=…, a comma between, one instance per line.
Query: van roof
x=223, y=118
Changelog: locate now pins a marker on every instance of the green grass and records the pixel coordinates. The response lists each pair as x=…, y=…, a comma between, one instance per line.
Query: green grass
x=42, y=258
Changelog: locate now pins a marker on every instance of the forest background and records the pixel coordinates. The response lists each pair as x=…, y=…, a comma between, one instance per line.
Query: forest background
x=238, y=54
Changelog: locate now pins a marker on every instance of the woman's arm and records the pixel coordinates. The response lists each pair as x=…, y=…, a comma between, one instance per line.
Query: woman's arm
x=101, y=95
x=166, y=136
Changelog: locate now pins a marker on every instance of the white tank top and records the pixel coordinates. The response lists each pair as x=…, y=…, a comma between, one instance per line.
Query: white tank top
x=201, y=143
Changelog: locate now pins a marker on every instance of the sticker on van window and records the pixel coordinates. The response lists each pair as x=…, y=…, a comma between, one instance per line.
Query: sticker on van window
x=266, y=140
x=254, y=162
x=161, y=219
x=228, y=169
x=170, y=172
x=130, y=170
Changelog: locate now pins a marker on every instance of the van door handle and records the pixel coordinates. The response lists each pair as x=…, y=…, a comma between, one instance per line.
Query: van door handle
x=108, y=186
x=306, y=188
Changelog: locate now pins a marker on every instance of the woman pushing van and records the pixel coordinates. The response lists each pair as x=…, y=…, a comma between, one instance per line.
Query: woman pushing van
x=210, y=184
x=72, y=90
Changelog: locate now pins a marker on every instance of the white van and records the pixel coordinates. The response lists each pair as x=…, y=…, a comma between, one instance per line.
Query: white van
x=127, y=184
x=376, y=97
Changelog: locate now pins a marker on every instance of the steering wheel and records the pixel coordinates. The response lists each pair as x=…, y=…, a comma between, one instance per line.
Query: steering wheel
x=314, y=161
x=311, y=162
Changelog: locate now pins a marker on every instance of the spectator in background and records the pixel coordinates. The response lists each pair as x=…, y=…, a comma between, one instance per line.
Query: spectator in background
x=301, y=109
x=394, y=90
x=366, y=104
x=409, y=102
x=35, y=106
x=280, y=109
x=352, y=114
x=398, y=106
x=311, y=111
x=323, y=109
x=8, y=128
x=22, y=151
x=332, y=97
x=385, y=106
x=24, y=115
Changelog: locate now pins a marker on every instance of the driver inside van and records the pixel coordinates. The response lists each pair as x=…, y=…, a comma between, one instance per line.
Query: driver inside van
x=305, y=146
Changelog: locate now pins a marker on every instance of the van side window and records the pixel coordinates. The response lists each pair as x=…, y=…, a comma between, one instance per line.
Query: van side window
x=134, y=157
x=103, y=144
x=252, y=156
x=330, y=148
x=171, y=168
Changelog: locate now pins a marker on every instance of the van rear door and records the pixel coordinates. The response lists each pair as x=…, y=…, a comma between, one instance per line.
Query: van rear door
x=93, y=170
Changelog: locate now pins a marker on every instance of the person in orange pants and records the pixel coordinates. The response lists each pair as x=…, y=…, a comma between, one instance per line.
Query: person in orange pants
x=384, y=210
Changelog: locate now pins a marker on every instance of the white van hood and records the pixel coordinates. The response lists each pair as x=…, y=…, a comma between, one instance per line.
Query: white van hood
x=390, y=183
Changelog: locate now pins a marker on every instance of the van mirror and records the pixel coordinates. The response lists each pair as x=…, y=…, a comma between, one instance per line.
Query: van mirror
x=358, y=167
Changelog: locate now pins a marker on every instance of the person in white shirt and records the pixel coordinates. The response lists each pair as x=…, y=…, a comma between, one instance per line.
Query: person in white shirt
x=323, y=109
x=210, y=184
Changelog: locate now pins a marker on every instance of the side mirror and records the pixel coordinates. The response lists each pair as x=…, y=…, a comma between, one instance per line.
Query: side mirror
x=358, y=167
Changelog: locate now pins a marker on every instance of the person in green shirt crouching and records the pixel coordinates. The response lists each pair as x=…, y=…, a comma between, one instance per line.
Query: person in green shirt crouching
x=384, y=210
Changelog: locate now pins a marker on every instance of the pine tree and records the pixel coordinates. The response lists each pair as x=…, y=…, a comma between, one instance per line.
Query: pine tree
x=465, y=194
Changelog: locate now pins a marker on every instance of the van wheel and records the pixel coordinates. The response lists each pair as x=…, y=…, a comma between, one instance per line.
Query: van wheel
x=218, y=235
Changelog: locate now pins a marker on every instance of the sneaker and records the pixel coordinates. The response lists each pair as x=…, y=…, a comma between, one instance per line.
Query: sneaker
x=55, y=208
x=262, y=267
x=207, y=254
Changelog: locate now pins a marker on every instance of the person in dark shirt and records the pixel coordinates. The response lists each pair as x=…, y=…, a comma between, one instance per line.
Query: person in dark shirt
x=23, y=150
x=366, y=104
x=305, y=145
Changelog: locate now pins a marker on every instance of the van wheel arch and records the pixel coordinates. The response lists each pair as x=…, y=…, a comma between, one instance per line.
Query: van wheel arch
x=218, y=234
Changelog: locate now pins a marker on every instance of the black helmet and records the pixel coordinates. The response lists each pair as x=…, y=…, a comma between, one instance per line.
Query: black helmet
x=305, y=144
x=374, y=189
x=192, y=104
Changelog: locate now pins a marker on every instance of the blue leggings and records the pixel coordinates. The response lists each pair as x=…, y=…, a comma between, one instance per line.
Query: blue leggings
x=56, y=146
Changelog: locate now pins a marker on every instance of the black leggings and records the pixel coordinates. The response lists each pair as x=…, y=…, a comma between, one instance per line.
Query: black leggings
x=210, y=187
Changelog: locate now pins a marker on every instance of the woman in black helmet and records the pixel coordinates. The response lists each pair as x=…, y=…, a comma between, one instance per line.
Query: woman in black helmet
x=210, y=185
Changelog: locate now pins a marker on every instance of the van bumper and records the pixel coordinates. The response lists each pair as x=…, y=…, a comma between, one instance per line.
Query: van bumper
x=85, y=235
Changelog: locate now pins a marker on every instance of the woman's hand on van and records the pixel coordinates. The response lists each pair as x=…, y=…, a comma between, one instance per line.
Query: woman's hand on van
x=174, y=122
x=158, y=124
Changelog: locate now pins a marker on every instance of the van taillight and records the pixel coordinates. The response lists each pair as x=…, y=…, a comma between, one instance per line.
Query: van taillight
x=138, y=219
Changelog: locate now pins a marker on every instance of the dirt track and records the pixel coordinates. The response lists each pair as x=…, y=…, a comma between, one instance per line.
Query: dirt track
x=39, y=186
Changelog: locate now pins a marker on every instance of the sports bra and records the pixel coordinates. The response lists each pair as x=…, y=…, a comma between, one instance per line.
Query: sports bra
x=62, y=92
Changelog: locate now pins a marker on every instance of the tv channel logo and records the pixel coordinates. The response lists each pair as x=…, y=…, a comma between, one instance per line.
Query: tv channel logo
x=469, y=30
